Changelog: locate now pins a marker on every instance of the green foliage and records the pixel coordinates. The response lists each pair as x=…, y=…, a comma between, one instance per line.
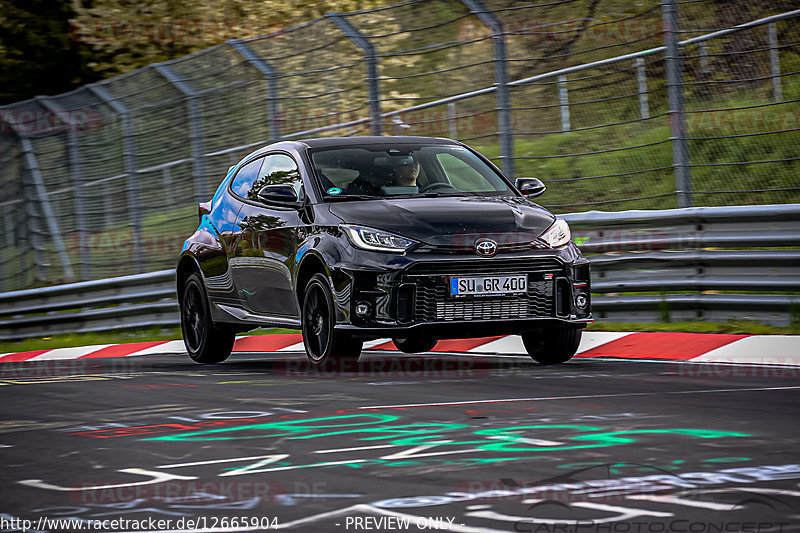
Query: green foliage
x=37, y=53
x=168, y=29
x=53, y=46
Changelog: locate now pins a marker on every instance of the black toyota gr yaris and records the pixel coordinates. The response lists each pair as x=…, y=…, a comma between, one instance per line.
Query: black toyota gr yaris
x=360, y=238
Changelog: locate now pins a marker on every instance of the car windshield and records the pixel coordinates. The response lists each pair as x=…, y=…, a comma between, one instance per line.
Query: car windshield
x=403, y=170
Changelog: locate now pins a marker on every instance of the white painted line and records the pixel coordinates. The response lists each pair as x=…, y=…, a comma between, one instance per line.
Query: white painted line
x=297, y=347
x=300, y=347
x=582, y=397
x=759, y=349
x=69, y=353
x=593, y=339
x=215, y=461
x=370, y=344
x=512, y=344
x=166, y=348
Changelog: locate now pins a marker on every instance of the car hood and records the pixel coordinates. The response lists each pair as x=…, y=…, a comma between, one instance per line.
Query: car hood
x=451, y=221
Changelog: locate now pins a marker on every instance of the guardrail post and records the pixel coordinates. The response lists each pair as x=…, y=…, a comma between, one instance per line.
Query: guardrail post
x=563, y=98
x=74, y=155
x=195, y=129
x=129, y=159
x=371, y=58
x=504, y=125
x=775, y=62
x=270, y=77
x=641, y=84
x=32, y=166
x=677, y=112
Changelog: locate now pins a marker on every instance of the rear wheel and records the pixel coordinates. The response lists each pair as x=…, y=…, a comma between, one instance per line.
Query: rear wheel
x=415, y=344
x=322, y=342
x=205, y=341
x=552, y=346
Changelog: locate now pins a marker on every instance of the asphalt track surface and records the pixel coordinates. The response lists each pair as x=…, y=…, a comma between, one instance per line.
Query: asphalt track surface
x=400, y=443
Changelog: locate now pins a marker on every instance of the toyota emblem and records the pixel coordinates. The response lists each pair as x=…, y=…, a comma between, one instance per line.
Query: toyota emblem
x=486, y=248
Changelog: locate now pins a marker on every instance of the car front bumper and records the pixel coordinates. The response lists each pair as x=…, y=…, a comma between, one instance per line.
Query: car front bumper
x=409, y=295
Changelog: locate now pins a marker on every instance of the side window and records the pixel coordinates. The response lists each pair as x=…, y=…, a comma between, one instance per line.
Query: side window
x=460, y=174
x=243, y=181
x=277, y=169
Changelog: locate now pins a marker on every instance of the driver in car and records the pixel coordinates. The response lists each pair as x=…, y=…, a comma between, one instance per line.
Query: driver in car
x=402, y=173
x=407, y=172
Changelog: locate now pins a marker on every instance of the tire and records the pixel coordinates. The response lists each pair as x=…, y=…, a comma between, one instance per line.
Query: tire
x=324, y=345
x=415, y=344
x=206, y=342
x=552, y=346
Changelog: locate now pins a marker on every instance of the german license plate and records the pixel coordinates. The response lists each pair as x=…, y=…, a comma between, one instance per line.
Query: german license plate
x=489, y=285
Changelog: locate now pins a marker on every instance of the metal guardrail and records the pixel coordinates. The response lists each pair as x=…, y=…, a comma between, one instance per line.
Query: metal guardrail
x=646, y=266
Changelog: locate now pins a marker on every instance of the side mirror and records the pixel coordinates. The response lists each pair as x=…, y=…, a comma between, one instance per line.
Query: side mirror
x=283, y=194
x=530, y=186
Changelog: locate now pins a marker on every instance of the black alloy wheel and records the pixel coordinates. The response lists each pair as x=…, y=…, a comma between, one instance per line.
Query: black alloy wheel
x=205, y=341
x=553, y=345
x=415, y=344
x=322, y=342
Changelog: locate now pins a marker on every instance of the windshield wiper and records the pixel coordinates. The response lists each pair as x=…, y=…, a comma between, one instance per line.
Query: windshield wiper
x=352, y=197
x=440, y=194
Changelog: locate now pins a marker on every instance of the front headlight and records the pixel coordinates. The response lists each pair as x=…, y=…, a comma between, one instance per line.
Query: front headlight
x=376, y=240
x=557, y=235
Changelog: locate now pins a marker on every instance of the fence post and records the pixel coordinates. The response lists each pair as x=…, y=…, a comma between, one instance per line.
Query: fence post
x=129, y=159
x=34, y=234
x=371, y=58
x=32, y=165
x=775, y=62
x=74, y=156
x=677, y=112
x=195, y=129
x=270, y=77
x=166, y=174
x=452, y=120
x=641, y=84
x=504, y=126
x=563, y=98
x=702, y=51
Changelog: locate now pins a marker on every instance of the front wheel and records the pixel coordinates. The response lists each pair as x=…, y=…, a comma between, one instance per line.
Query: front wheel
x=206, y=342
x=323, y=343
x=552, y=346
x=415, y=344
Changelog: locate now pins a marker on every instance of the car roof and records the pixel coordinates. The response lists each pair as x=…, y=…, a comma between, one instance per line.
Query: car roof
x=326, y=142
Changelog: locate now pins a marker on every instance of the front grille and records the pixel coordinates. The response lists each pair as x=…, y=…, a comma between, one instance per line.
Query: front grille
x=469, y=249
x=432, y=302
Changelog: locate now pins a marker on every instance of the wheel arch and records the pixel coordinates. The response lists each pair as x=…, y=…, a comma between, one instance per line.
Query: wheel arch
x=187, y=265
x=311, y=264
